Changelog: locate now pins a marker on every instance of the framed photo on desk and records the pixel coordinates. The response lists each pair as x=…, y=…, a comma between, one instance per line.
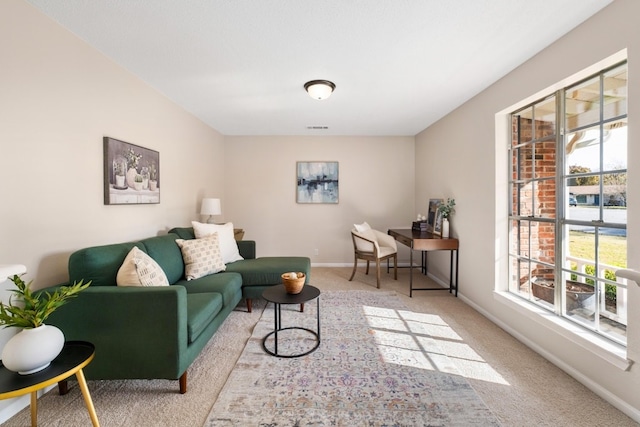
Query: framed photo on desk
x=437, y=224
x=432, y=216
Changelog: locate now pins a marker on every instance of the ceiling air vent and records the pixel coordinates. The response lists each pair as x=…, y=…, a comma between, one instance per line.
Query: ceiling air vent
x=317, y=127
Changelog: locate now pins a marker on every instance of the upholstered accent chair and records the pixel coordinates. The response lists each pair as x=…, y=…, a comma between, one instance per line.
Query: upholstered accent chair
x=373, y=245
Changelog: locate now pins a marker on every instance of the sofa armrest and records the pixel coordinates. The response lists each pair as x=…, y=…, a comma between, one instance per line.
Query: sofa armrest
x=128, y=325
x=247, y=248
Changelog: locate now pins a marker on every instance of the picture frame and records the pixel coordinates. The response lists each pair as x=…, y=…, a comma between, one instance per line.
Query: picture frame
x=131, y=173
x=432, y=216
x=317, y=182
x=437, y=224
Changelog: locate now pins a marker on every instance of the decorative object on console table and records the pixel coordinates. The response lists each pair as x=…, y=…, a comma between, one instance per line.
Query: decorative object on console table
x=420, y=224
x=437, y=224
x=33, y=348
x=446, y=210
x=432, y=213
x=136, y=188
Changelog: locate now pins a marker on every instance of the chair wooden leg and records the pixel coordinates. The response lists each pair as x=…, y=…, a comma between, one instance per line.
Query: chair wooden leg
x=367, y=272
x=183, y=383
x=378, y=273
x=395, y=266
x=249, y=306
x=355, y=266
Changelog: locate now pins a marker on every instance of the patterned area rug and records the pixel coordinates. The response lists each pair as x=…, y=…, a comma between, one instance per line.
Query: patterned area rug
x=376, y=366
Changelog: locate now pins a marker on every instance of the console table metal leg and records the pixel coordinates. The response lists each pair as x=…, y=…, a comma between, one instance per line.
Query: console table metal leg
x=410, y=272
x=457, y=252
x=451, y=272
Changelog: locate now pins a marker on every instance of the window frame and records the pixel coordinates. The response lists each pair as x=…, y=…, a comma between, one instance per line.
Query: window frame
x=562, y=179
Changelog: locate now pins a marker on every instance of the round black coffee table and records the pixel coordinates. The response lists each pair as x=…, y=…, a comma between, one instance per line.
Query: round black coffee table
x=278, y=296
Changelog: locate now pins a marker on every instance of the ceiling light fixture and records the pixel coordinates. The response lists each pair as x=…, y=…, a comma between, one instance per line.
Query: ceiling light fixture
x=319, y=89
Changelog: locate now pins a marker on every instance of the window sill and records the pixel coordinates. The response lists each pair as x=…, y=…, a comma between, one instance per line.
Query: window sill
x=613, y=353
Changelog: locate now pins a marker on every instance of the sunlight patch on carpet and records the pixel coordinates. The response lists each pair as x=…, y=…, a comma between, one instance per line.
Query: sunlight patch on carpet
x=426, y=341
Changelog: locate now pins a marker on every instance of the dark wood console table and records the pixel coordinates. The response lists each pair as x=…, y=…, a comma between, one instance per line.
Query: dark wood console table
x=424, y=242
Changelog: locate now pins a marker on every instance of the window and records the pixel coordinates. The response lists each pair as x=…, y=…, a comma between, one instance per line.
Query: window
x=567, y=189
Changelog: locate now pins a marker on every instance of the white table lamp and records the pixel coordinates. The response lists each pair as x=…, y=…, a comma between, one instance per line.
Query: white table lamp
x=210, y=207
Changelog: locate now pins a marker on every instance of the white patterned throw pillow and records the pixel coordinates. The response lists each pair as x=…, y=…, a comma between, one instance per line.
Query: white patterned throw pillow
x=139, y=269
x=201, y=256
x=228, y=245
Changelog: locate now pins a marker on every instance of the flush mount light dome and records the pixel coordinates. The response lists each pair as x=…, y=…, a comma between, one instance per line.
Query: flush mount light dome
x=319, y=89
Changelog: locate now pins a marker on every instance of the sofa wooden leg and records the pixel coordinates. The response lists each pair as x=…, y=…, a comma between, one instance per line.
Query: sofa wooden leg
x=302, y=308
x=63, y=387
x=249, y=305
x=183, y=383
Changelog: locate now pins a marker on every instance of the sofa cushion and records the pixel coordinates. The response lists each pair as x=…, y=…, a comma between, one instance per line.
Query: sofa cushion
x=183, y=232
x=100, y=264
x=362, y=227
x=228, y=245
x=165, y=251
x=201, y=310
x=268, y=270
x=201, y=256
x=139, y=269
x=226, y=284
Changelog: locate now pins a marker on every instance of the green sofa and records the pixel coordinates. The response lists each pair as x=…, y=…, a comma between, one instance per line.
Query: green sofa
x=157, y=332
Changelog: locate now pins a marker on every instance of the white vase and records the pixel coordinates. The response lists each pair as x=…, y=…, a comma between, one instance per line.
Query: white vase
x=32, y=349
x=445, y=228
x=131, y=177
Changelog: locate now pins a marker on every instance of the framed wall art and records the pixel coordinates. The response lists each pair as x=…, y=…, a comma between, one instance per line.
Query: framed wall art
x=131, y=173
x=317, y=182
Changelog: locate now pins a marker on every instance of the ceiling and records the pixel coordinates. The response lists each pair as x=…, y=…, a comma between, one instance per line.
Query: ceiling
x=240, y=65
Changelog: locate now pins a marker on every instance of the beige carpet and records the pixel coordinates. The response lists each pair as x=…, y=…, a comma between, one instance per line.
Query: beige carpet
x=520, y=387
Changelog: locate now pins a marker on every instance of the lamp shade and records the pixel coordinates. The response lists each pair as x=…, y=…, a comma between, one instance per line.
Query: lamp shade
x=319, y=89
x=210, y=207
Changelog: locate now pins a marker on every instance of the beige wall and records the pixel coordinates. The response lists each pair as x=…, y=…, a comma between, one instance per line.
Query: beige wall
x=461, y=150
x=376, y=185
x=59, y=97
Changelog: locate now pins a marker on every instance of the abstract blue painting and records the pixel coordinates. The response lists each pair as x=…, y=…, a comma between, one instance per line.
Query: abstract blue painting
x=317, y=182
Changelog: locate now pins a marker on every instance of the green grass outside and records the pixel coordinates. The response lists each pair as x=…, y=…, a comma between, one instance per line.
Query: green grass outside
x=613, y=251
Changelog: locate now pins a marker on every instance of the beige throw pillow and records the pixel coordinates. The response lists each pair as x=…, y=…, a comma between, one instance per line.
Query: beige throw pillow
x=228, y=245
x=139, y=269
x=201, y=256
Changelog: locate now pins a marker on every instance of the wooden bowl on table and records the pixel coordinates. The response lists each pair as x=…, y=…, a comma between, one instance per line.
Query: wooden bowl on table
x=293, y=282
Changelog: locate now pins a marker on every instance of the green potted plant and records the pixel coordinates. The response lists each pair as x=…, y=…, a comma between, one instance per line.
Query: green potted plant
x=33, y=348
